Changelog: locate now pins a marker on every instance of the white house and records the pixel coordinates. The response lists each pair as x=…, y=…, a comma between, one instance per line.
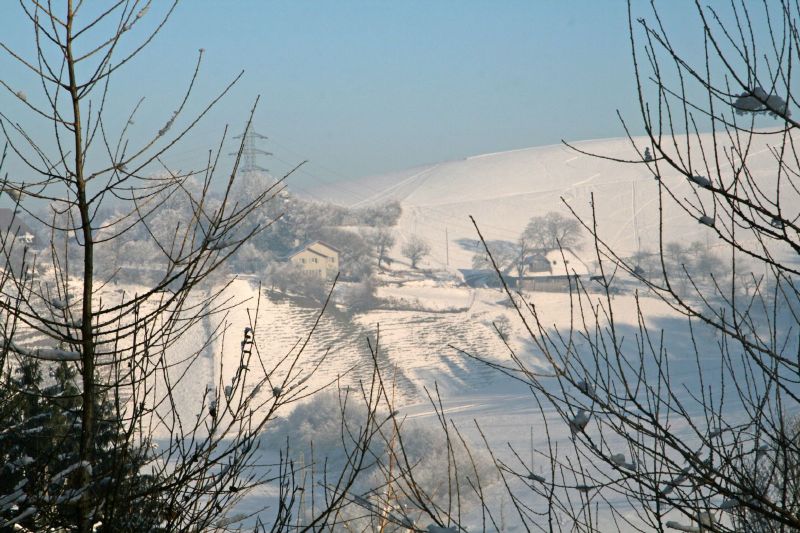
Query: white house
x=316, y=258
x=552, y=270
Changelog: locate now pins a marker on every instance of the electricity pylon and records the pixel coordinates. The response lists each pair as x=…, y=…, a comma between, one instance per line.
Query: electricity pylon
x=250, y=151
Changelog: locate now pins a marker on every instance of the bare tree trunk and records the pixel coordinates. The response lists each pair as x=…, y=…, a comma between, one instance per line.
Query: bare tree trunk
x=87, y=337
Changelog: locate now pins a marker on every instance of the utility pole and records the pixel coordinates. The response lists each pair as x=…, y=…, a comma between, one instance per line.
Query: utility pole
x=636, y=238
x=446, y=248
x=250, y=151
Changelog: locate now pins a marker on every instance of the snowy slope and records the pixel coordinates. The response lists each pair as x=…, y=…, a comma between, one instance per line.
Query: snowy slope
x=419, y=348
x=413, y=344
x=503, y=190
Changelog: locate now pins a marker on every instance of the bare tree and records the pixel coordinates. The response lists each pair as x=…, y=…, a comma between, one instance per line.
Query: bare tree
x=415, y=249
x=509, y=257
x=502, y=252
x=116, y=357
x=645, y=451
x=382, y=239
x=553, y=231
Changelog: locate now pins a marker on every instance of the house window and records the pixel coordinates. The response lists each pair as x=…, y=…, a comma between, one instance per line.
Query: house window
x=330, y=260
x=302, y=260
x=314, y=259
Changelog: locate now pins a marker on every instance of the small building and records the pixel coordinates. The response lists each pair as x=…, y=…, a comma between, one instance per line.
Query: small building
x=316, y=258
x=11, y=224
x=552, y=271
x=480, y=278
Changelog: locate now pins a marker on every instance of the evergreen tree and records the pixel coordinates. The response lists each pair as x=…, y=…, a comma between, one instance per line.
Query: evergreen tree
x=39, y=450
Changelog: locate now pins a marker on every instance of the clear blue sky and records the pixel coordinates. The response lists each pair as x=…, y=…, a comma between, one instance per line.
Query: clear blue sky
x=367, y=87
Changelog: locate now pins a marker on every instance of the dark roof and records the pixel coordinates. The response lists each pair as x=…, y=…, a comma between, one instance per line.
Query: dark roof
x=310, y=251
x=481, y=277
x=537, y=263
x=326, y=244
x=297, y=249
x=11, y=223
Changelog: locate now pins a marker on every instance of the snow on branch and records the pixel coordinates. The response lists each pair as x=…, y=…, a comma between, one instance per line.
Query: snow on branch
x=16, y=497
x=45, y=354
x=61, y=475
x=23, y=515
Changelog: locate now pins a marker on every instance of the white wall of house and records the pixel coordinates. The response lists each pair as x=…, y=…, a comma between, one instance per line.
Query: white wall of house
x=317, y=259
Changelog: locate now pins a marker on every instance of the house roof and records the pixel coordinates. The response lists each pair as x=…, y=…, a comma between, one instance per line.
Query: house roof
x=575, y=264
x=11, y=223
x=294, y=251
x=326, y=245
x=310, y=250
x=537, y=262
x=541, y=263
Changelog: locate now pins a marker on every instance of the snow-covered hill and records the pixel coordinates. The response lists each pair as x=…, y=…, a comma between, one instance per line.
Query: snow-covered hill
x=502, y=191
x=426, y=347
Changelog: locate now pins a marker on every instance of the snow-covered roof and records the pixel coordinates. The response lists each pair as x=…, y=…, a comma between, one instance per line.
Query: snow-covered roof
x=552, y=263
x=574, y=265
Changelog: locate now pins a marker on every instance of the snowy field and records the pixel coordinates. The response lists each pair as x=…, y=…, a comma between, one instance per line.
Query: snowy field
x=432, y=321
x=417, y=352
x=420, y=350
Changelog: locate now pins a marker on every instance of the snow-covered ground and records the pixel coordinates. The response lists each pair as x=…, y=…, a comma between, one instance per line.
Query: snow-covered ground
x=420, y=350
x=432, y=295
x=429, y=323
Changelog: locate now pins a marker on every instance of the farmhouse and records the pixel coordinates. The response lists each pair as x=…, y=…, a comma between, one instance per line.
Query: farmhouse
x=316, y=258
x=553, y=270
